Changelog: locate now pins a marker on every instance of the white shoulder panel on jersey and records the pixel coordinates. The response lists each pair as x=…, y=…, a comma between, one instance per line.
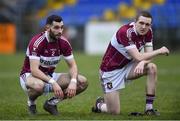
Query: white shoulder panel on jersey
x=120, y=48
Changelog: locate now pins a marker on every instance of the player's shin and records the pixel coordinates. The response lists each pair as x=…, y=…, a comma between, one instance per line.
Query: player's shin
x=32, y=96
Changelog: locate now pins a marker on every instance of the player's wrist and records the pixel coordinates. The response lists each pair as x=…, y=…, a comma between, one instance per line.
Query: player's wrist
x=51, y=81
x=74, y=80
x=160, y=51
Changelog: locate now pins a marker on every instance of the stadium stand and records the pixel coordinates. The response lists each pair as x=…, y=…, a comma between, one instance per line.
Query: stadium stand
x=165, y=12
x=84, y=10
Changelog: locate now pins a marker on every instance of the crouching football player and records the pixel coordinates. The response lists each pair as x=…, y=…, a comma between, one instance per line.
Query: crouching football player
x=43, y=53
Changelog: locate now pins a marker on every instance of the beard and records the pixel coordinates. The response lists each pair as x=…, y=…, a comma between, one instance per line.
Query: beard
x=53, y=36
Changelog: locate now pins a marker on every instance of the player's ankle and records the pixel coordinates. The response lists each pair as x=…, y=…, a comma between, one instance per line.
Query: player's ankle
x=54, y=101
x=30, y=102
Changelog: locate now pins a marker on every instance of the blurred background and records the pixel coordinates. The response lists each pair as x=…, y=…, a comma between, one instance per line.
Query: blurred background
x=89, y=24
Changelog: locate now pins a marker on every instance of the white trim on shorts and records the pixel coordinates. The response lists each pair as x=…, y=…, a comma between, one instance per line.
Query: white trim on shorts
x=24, y=76
x=115, y=80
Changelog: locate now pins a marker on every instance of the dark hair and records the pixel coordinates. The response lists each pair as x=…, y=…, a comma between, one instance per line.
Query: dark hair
x=52, y=18
x=144, y=14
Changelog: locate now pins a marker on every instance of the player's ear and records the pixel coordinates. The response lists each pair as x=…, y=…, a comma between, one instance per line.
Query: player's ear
x=135, y=20
x=47, y=27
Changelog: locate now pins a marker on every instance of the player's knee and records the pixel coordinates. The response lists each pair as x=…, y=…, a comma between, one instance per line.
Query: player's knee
x=152, y=68
x=39, y=87
x=83, y=83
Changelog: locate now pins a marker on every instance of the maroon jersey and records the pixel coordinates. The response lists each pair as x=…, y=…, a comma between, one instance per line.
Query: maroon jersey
x=48, y=53
x=125, y=38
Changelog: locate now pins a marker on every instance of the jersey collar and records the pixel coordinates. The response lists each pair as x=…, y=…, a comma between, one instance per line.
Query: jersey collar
x=46, y=35
x=134, y=28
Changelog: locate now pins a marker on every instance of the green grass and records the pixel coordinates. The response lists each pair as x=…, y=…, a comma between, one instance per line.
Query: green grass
x=13, y=99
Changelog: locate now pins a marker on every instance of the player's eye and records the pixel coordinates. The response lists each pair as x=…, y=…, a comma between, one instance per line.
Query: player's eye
x=147, y=24
x=142, y=23
x=62, y=27
x=56, y=27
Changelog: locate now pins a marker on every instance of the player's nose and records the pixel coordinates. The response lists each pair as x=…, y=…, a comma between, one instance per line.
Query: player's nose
x=143, y=26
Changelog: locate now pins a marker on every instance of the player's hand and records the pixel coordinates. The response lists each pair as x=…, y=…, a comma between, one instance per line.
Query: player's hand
x=139, y=70
x=71, y=90
x=164, y=51
x=57, y=90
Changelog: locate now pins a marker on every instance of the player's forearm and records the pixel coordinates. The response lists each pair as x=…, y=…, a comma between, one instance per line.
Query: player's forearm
x=73, y=72
x=148, y=49
x=40, y=75
x=36, y=72
x=148, y=55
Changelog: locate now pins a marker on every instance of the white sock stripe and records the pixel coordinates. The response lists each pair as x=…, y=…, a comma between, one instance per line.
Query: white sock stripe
x=149, y=106
x=54, y=101
x=103, y=107
x=30, y=102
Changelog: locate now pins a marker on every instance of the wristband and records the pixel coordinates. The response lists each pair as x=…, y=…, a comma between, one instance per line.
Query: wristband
x=74, y=80
x=51, y=81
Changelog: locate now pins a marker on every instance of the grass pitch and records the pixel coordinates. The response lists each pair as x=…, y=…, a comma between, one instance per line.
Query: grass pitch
x=13, y=99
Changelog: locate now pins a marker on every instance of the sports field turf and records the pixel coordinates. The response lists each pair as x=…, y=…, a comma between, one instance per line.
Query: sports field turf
x=13, y=99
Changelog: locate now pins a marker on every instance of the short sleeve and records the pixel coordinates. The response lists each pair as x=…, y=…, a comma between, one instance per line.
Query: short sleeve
x=35, y=48
x=66, y=49
x=149, y=39
x=149, y=36
x=123, y=37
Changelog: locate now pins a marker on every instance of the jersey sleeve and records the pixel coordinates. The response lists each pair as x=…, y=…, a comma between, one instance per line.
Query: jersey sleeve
x=34, y=49
x=149, y=39
x=124, y=38
x=67, y=50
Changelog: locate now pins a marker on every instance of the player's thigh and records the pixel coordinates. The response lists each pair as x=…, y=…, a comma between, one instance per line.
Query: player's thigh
x=112, y=101
x=34, y=83
x=132, y=75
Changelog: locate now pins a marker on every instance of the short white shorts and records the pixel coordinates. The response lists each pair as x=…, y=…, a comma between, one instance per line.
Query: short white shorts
x=24, y=76
x=115, y=80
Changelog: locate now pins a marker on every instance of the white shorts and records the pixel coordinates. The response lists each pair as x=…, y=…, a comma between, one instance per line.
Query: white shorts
x=24, y=76
x=115, y=80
